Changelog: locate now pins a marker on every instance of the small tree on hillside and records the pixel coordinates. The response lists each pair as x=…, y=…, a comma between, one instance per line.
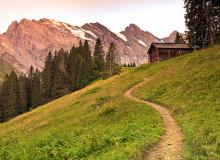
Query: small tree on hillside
x=179, y=38
x=134, y=64
x=112, y=60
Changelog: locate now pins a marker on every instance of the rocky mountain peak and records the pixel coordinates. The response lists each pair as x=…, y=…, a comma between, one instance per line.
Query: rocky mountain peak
x=12, y=27
x=132, y=28
x=25, y=21
x=44, y=20
x=95, y=27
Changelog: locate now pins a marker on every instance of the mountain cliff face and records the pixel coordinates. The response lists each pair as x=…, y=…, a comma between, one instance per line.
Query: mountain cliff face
x=132, y=44
x=28, y=42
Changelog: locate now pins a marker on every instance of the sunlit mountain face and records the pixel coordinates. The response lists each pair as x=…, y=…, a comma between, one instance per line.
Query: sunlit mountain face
x=28, y=42
x=154, y=16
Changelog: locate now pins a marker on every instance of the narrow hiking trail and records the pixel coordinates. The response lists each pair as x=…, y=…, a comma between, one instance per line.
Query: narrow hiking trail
x=170, y=146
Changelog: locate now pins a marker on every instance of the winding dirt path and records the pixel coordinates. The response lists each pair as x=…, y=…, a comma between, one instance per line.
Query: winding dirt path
x=170, y=147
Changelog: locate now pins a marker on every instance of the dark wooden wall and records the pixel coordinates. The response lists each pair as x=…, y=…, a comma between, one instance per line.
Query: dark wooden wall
x=164, y=54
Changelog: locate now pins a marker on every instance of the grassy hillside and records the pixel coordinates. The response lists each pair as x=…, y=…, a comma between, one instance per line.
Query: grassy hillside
x=190, y=86
x=97, y=122
x=4, y=69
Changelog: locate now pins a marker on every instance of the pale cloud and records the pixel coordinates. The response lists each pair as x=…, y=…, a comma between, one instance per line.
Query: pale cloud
x=157, y=16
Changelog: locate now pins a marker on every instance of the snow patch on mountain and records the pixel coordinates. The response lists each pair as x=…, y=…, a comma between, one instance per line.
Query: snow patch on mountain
x=142, y=43
x=90, y=33
x=120, y=35
x=76, y=31
x=56, y=23
x=64, y=27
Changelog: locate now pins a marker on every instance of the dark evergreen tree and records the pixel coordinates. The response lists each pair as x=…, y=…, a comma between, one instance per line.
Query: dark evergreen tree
x=98, y=57
x=14, y=94
x=29, y=87
x=112, y=60
x=134, y=64
x=88, y=65
x=37, y=98
x=72, y=68
x=22, y=95
x=202, y=20
x=60, y=80
x=5, y=100
x=81, y=69
x=78, y=74
x=179, y=38
x=80, y=66
x=1, y=107
x=9, y=97
x=216, y=13
x=47, y=78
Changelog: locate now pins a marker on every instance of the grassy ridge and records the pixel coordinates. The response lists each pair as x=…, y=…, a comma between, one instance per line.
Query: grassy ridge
x=190, y=86
x=97, y=122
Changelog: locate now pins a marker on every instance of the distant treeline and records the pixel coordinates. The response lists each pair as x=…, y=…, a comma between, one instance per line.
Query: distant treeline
x=129, y=64
x=64, y=72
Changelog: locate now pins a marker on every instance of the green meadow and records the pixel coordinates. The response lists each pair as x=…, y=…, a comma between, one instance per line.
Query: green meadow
x=97, y=122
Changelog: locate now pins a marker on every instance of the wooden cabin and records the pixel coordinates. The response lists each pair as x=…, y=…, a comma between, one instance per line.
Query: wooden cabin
x=163, y=51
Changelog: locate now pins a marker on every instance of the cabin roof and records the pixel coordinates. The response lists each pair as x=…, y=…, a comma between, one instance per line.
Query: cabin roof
x=169, y=46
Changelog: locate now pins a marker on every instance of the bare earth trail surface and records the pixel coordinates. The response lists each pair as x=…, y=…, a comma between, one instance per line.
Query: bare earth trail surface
x=170, y=147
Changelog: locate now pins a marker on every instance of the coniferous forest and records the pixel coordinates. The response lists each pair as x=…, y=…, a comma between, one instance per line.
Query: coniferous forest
x=64, y=72
x=203, y=22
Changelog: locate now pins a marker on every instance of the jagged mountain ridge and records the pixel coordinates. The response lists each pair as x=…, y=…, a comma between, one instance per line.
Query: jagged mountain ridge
x=28, y=42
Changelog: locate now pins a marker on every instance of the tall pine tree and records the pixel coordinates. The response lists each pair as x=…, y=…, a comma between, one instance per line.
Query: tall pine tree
x=5, y=100
x=47, y=78
x=60, y=80
x=72, y=68
x=29, y=87
x=37, y=98
x=98, y=57
x=9, y=97
x=22, y=95
x=202, y=21
x=88, y=65
x=112, y=60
